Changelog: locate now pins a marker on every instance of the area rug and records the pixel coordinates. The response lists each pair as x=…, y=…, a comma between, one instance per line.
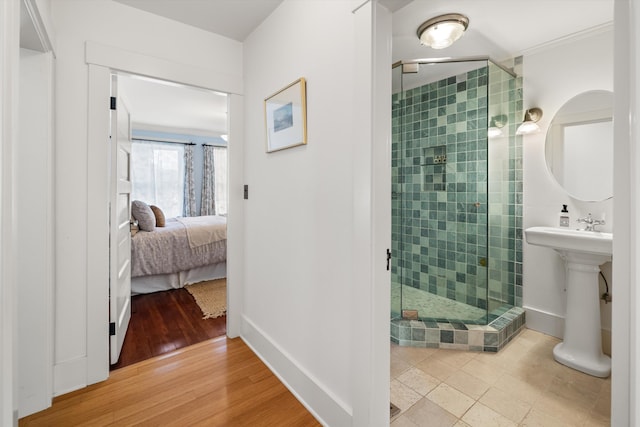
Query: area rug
x=211, y=297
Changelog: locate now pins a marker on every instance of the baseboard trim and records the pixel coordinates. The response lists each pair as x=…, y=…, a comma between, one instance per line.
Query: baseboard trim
x=545, y=322
x=69, y=376
x=320, y=401
x=552, y=324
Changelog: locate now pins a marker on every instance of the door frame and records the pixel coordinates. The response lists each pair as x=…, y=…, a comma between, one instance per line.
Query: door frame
x=102, y=61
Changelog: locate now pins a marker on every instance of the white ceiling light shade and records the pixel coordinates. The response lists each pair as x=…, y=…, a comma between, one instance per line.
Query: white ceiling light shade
x=530, y=122
x=443, y=30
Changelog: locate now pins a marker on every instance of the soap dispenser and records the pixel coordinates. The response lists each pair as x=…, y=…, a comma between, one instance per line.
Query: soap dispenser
x=564, y=217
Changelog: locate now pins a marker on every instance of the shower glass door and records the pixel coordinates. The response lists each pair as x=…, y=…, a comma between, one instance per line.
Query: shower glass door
x=443, y=178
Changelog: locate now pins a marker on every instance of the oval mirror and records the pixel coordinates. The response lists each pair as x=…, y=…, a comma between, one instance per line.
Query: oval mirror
x=579, y=146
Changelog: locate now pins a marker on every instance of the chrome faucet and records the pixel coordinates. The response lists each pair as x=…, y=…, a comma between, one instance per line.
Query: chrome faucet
x=590, y=222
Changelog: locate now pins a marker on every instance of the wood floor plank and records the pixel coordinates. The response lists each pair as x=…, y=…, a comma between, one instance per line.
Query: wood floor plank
x=162, y=322
x=219, y=382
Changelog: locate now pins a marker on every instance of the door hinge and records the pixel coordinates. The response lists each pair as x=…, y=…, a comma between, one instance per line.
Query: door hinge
x=388, y=258
x=112, y=329
x=113, y=103
x=246, y=192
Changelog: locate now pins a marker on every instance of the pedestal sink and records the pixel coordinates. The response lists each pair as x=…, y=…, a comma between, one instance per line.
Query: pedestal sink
x=583, y=252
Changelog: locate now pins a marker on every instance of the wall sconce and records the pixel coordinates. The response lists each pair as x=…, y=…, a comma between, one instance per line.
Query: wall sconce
x=530, y=122
x=443, y=30
x=495, y=125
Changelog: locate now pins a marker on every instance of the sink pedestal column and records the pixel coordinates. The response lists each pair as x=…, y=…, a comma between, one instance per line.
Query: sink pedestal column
x=581, y=347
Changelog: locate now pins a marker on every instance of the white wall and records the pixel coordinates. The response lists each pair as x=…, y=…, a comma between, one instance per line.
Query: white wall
x=35, y=222
x=625, y=376
x=553, y=74
x=112, y=24
x=306, y=280
x=9, y=80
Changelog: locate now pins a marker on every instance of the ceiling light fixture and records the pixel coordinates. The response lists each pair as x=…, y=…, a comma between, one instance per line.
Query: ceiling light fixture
x=443, y=30
x=530, y=122
x=496, y=124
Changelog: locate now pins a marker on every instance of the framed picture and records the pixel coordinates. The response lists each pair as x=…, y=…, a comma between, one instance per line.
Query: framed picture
x=285, y=116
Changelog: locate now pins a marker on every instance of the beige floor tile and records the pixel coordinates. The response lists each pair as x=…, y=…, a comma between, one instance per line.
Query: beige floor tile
x=520, y=384
x=572, y=413
x=398, y=367
x=515, y=350
x=468, y=384
x=591, y=422
x=412, y=355
x=580, y=380
x=427, y=414
x=518, y=388
x=419, y=381
x=455, y=358
x=402, y=421
x=581, y=396
x=505, y=404
x=451, y=399
x=537, y=375
x=402, y=396
x=499, y=361
x=482, y=416
x=483, y=371
x=436, y=368
x=601, y=412
x=537, y=418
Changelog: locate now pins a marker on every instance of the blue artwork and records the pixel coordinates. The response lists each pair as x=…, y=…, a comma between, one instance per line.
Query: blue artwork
x=283, y=117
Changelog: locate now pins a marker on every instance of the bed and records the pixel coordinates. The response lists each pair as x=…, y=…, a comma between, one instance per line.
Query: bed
x=186, y=250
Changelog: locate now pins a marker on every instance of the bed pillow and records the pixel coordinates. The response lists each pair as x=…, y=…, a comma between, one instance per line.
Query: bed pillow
x=157, y=212
x=143, y=213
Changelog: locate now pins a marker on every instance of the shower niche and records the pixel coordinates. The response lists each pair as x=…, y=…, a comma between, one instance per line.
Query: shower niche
x=456, y=205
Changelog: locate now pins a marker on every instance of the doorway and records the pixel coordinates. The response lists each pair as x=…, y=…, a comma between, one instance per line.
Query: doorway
x=175, y=161
x=102, y=62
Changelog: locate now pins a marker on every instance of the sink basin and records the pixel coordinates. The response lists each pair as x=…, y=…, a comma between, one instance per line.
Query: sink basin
x=583, y=252
x=593, y=242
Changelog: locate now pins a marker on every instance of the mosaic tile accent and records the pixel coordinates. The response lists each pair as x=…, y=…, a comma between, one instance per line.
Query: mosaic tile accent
x=453, y=335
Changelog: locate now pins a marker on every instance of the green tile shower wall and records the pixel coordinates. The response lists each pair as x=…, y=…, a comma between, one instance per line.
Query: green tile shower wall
x=446, y=224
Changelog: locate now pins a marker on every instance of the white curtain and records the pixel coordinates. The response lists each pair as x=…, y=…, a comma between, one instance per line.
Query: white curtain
x=214, y=181
x=189, y=183
x=157, y=175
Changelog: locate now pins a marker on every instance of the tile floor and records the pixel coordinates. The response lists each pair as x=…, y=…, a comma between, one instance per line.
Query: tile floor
x=522, y=385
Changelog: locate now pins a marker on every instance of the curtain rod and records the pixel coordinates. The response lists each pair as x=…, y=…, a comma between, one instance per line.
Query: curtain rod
x=214, y=145
x=164, y=141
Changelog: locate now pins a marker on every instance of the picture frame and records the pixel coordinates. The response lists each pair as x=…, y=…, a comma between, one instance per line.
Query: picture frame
x=285, y=117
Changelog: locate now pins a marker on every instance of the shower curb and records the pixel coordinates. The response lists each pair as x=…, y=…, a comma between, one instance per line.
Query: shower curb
x=458, y=335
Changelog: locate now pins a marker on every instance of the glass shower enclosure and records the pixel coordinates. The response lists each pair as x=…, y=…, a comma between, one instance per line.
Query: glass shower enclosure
x=456, y=193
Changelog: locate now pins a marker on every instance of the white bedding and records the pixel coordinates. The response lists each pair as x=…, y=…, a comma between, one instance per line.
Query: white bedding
x=163, y=282
x=175, y=255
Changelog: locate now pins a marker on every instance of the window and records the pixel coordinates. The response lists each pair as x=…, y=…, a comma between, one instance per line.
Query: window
x=158, y=176
x=220, y=168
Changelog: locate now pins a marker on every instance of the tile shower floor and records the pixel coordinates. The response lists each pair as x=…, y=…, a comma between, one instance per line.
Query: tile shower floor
x=522, y=385
x=434, y=306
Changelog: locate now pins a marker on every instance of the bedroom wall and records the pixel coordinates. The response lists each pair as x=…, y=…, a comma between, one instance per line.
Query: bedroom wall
x=128, y=29
x=553, y=74
x=308, y=237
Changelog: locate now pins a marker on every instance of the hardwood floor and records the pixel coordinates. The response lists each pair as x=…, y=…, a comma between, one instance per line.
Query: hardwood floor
x=162, y=322
x=219, y=382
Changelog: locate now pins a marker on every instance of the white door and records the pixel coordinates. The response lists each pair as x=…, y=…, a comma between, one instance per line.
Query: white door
x=120, y=215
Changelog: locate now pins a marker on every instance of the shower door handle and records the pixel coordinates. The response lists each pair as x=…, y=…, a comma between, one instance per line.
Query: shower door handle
x=388, y=258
